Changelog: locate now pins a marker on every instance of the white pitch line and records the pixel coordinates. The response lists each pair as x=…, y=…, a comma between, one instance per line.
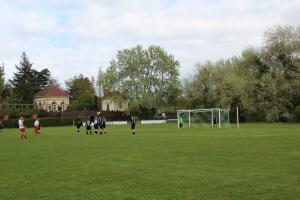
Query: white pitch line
x=244, y=135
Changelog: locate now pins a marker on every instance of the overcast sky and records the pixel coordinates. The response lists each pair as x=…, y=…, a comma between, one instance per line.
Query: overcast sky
x=78, y=36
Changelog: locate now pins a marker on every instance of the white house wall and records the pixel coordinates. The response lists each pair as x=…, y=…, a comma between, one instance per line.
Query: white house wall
x=46, y=103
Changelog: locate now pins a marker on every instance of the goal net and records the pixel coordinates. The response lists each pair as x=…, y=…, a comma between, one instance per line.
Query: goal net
x=212, y=117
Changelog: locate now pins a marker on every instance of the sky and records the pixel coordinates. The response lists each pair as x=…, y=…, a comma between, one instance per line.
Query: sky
x=70, y=37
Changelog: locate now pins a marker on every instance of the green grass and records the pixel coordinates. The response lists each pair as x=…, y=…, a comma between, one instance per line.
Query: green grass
x=257, y=161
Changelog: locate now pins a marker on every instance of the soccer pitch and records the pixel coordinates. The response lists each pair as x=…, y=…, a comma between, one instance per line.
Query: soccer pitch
x=257, y=161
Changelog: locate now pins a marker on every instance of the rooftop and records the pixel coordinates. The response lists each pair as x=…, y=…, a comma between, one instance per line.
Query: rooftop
x=51, y=91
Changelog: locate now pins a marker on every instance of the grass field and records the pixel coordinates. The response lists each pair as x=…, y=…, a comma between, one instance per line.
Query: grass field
x=257, y=161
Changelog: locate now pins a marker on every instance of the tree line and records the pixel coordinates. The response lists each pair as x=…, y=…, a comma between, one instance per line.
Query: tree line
x=264, y=82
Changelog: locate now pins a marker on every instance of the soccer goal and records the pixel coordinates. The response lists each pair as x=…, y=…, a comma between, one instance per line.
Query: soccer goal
x=212, y=117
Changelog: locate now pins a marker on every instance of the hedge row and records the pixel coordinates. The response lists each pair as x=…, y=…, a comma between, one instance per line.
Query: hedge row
x=45, y=122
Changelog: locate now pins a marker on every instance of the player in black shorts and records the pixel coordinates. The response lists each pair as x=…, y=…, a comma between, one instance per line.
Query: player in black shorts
x=78, y=125
x=133, y=123
x=1, y=127
x=215, y=121
x=96, y=125
x=88, y=126
x=102, y=124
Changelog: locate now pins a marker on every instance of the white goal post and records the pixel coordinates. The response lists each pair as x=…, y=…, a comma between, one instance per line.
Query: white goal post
x=213, y=117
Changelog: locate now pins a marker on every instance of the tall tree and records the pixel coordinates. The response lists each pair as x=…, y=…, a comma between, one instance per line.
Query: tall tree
x=149, y=78
x=53, y=82
x=281, y=53
x=264, y=82
x=8, y=94
x=82, y=92
x=1, y=80
x=78, y=85
x=27, y=81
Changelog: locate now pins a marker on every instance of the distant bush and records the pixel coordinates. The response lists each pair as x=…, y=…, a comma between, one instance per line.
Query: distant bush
x=45, y=122
x=16, y=113
x=297, y=114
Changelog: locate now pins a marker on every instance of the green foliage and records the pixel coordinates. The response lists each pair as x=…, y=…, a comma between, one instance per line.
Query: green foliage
x=27, y=113
x=297, y=114
x=148, y=78
x=79, y=85
x=86, y=101
x=45, y=122
x=1, y=81
x=264, y=83
x=82, y=92
x=53, y=82
x=27, y=81
x=8, y=94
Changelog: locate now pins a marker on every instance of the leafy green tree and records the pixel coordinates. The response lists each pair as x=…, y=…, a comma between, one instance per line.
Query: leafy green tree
x=8, y=94
x=148, y=78
x=1, y=80
x=53, y=82
x=107, y=79
x=281, y=54
x=82, y=92
x=86, y=101
x=263, y=82
x=79, y=85
x=27, y=81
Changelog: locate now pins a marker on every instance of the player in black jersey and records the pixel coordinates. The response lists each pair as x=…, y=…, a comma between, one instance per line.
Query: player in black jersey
x=78, y=126
x=96, y=125
x=88, y=126
x=133, y=123
x=102, y=124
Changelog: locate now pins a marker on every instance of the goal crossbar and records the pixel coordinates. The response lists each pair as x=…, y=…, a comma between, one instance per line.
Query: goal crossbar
x=213, y=112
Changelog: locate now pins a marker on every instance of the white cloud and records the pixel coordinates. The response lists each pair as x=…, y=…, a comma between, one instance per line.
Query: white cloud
x=78, y=36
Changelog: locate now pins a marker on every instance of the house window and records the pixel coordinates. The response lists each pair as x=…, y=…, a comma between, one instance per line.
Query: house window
x=62, y=106
x=53, y=107
x=107, y=107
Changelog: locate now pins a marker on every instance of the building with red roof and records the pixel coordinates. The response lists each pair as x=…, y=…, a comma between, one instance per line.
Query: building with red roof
x=114, y=101
x=52, y=99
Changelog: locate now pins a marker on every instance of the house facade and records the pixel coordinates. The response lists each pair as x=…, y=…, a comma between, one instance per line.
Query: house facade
x=52, y=99
x=114, y=101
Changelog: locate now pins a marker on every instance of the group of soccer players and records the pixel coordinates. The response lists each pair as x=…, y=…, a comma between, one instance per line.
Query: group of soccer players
x=99, y=125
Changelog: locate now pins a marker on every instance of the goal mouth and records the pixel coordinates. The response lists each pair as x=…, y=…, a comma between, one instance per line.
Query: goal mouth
x=210, y=117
